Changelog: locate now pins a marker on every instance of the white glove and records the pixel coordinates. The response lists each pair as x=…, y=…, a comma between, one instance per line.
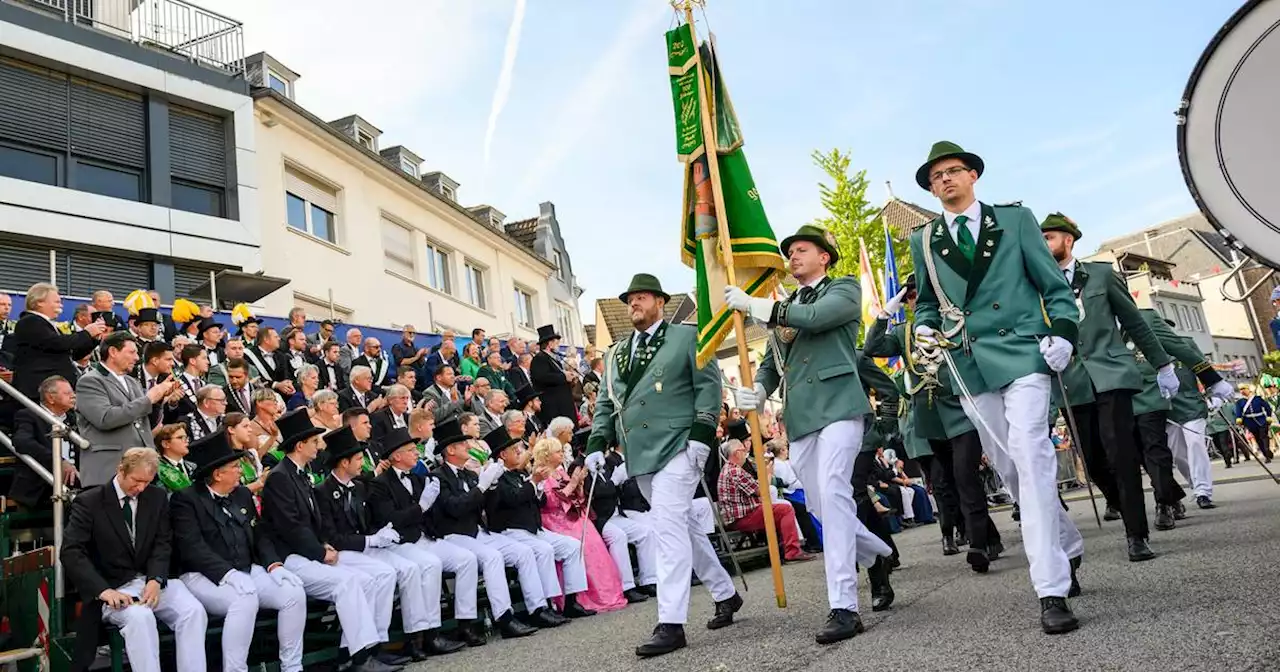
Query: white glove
x=239, y=581
x=489, y=475
x=1057, y=352
x=619, y=475
x=1219, y=393
x=1215, y=403
x=376, y=541
x=389, y=533
x=595, y=462
x=736, y=299
x=281, y=576
x=926, y=335
x=429, y=494
x=892, y=306
x=750, y=399
x=1167, y=379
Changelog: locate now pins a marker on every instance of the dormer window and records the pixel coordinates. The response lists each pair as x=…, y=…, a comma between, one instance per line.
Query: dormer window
x=366, y=141
x=449, y=193
x=409, y=167
x=278, y=82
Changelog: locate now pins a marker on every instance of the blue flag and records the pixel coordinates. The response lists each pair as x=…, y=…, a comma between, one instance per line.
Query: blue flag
x=891, y=286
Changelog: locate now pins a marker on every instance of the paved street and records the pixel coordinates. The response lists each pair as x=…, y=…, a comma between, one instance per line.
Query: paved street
x=1206, y=603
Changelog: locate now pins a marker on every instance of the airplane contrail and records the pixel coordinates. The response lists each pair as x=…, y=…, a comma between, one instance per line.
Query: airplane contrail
x=503, y=90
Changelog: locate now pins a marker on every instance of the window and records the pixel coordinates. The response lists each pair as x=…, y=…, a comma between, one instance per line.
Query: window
x=409, y=167
x=310, y=206
x=1160, y=308
x=277, y=82
x=197, y=198
x=559, y=262
x=475, y=285
x=28, y=165
x=366, y=141
x=397, y=249
x=108, y=181
x=448, y=193
x=437, y=268
x=1199, y=316
x=564, y=322
x=524, y=308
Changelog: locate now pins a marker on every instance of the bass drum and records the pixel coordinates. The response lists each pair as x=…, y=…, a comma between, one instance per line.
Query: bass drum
x=1229, y=131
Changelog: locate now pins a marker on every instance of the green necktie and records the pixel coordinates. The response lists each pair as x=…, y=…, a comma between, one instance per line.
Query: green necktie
x=127, y=508
x=964, y=239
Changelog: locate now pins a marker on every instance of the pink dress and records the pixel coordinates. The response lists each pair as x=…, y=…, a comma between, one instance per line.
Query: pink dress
x=564, y=516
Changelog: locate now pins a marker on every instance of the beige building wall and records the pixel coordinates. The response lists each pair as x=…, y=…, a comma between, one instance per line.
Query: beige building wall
x=355, y=267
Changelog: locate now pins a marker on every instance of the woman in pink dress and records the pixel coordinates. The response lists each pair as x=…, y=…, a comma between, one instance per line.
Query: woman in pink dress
x=564, y=513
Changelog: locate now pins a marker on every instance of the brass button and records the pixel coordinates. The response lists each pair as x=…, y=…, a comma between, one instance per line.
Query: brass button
x=642, y=402
x=1002, y=332
x=995, y=306
x=644, y=425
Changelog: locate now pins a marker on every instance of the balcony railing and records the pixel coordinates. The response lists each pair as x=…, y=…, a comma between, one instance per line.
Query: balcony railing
x=176, y=26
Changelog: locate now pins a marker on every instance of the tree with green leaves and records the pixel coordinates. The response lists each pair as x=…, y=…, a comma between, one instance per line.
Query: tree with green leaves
x=852, y=217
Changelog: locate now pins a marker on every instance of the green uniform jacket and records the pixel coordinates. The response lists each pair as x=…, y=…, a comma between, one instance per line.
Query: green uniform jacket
x=1006, y=293
x=820, y=366
x=654, y=403
x=1188, y=404
x=1217, y=423
x=1102, y=362
x=1184, y=352
x=935, y=414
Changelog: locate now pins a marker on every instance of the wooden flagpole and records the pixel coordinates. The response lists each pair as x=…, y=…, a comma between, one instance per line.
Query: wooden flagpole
x=739, y=324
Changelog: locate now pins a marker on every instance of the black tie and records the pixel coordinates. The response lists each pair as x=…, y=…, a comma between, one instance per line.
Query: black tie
x=806, y=294
x=642, y=341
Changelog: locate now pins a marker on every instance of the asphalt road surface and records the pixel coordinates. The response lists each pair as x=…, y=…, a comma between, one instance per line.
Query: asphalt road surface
x=1206, y=603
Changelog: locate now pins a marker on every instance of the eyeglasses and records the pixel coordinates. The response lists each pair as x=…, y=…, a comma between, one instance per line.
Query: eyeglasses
x=950, y=172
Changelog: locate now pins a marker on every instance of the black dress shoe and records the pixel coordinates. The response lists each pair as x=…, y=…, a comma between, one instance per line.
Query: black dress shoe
x=1204, y=502
x=412, y=651
x=574, y=610
x=372, y=664
x=1017, y=512
x=1056, y=617
x=1112, y=514
x=1164, y=517
x=545, y=618
x=978, y=559
x=667, y=637
x=651, y=590
x=1075, y=584
x=436, y=644
x=725, y=609
x=949, y=546
x=1179, y=511
x=472, y=634
x=994, y=549
x=392, y=658
x=962, y=539
x=633, y=596
x=895, y=561
x=1139, y=550
x=841, y=624
x=881, y=589
x=510, y=628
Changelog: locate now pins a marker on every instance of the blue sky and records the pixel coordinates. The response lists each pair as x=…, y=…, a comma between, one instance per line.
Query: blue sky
x=1070, y=104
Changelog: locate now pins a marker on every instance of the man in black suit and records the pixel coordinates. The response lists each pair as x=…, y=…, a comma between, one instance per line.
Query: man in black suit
x=457, y=514
x=167, y=328
x=156, y=368
x=529, y=402
x=395, y=415
x=520, y=372
x=361, y=393
x=230, y=566
x=551, y=379
x=272, y=364
x=375, y=360
x=116, y=552
x=362, y=429
x=347, y=526
x=238, y=391
x=292, y=518
x=31, y=438
x=332, y=375
x=39, y=350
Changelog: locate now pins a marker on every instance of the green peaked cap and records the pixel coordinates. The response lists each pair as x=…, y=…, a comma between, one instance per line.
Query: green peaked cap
x=1060, y=222
x=644, y=282
x=947, y=150
x=816, y=235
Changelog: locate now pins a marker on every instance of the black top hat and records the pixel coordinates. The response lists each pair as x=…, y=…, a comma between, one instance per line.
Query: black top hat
x=499, y=440
x=339, y=444
x=147, y=315
x=525, y=395
x=395, y=440
x=644, y=282
x=738, y=430
x=206, y=324
x=211, y=452
x=446, y=434
x=296, y=426
x=547, y=332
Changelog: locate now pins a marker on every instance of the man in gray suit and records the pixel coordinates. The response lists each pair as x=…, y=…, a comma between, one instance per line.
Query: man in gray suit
x=114, y=409
x=352, y=350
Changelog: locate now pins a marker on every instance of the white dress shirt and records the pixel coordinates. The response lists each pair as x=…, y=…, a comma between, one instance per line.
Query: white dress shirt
x=133, y=506
x=973, y=212
x=635, y=337
x=1070, y=270
x=400, y=476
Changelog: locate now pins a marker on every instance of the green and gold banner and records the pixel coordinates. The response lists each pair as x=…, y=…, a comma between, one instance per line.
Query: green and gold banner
x=758, y=264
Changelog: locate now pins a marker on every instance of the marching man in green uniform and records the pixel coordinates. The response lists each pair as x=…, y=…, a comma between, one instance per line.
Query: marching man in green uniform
x=988, y=285
x=812, y=356
x=1103, y=378
x=1188, y=431
x=663, y=410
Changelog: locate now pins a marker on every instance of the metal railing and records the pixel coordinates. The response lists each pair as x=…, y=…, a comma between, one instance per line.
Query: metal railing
x=177, y=26
x=59, y=433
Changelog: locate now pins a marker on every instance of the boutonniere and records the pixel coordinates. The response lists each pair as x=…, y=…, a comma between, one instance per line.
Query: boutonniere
x=337, y=494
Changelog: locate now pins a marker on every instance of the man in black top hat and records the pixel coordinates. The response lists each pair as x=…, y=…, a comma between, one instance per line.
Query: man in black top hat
x=146, y=326
x=514, y=508
x=362, y=548
x=230, y=566
x=398, y=498
x=457, y=514
x=550, y=378
x=292, y=519
x=209, y=334
x=529, y=401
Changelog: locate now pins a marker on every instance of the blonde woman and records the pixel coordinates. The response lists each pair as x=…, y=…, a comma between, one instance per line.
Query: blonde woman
x=565, y=512
x=264, y=435
x=324, y=410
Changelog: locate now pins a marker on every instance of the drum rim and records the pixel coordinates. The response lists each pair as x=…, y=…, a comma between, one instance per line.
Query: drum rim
x=1232, y=240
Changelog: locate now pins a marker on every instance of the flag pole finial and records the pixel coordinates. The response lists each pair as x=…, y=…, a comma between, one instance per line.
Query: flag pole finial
x=687, y=5
x=889, y=187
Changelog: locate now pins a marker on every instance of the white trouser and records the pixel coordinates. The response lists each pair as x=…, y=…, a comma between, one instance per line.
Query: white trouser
x=1017, y=418
x=343, y=589
x=682, y=546
x=466, y=573
x=704, y=519
x=378, y=580
x=616, y=537
x=493, y=567
x=908, y=501
x=640, y=534
x=418, y=580
x=823, y=460
x=1069, y=537
x=178, y=609
x=525, y=562
x=550, y=548
x=240, y=611
x=1189, y=445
